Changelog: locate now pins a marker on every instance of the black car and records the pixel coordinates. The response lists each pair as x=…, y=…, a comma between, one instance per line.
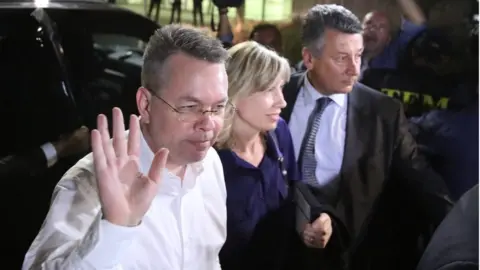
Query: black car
x=61, y=64
x=81, y=58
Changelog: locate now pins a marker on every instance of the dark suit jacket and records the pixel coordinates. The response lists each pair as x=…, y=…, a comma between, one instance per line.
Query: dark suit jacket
x=387, y=196
x=454, y=245
x=26, y=164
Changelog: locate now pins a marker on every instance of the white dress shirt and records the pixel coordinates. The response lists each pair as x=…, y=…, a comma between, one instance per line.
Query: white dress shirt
x=50, y=153
x=184, y=229
x=330, y=139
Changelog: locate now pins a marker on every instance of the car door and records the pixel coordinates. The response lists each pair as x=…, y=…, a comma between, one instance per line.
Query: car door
x=35, y=108
x=103, y=50
x=36, y=103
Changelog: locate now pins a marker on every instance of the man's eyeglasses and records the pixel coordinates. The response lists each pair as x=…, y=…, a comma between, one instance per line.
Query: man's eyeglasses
x=192, y=113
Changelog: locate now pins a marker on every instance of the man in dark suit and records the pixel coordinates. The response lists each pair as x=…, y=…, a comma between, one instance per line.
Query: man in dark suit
x=454, y=245
x=37, y=160
x=353, y=147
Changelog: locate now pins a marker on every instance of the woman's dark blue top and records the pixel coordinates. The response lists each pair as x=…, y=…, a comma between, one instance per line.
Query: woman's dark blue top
x=259, y=218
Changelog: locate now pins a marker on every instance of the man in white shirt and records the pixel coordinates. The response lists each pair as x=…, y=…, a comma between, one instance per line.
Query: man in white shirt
x=155, y=200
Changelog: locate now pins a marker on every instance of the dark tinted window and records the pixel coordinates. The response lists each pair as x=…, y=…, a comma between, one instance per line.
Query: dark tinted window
x=103, y=49
x=35, y=105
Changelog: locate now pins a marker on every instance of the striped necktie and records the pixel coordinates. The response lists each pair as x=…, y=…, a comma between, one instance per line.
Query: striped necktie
x=308, y=163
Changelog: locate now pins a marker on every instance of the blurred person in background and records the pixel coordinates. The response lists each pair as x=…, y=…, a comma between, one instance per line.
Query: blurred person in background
x=176, y=7
x=268, y=35
x=154, y=4
x=384, y=47
x=260, y=218
x=450, y=137
x=224, y=30
x=198, y=11
x=422, y=83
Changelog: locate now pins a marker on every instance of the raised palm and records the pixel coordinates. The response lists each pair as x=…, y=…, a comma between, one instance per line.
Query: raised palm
x=125, y=193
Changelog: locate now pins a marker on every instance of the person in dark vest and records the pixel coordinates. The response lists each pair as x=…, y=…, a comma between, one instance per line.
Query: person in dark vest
x=419, y=92
x=354, y=149
x=450, y=138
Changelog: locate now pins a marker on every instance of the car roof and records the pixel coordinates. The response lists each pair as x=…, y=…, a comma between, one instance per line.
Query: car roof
x=62, y=4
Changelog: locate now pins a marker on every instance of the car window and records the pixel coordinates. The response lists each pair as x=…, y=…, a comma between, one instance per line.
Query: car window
x=103, y=50
x=118, y=42
x=34, y=101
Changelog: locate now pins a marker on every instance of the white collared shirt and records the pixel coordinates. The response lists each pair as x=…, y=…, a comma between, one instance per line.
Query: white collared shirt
x=184, y=229
x=330, y=139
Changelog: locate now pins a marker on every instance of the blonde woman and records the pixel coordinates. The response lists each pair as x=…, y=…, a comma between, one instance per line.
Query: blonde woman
x=260, y=221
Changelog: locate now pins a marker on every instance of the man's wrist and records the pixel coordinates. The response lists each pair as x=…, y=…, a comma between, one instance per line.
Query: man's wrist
x=51, y=153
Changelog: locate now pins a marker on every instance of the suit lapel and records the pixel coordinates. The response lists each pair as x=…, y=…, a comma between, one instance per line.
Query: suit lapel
x=358, y=125
x=290, y=93
x=356, y=137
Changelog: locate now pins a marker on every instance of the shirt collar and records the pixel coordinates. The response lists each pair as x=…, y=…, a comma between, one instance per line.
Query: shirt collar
x=311, y=94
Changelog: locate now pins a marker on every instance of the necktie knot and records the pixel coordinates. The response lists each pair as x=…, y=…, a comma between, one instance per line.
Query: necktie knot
x=322, y=103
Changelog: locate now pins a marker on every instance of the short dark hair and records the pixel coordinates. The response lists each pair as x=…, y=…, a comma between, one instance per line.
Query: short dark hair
x=173, y=39
x=331, y=16
x=267, y=27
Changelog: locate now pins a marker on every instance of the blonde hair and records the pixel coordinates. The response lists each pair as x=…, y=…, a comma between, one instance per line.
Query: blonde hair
x=251, y=68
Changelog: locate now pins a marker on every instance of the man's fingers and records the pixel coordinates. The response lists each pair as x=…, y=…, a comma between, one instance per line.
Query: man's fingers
x=102, y=124
x=158, y=164
x=308, y=235
x=322, y=222
x=99, y=158
x=119, y=140
x=308, y=228
x=312, y=240
x=134, y=136
x=317, y=234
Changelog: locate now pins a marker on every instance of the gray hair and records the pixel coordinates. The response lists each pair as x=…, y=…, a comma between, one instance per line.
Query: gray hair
x=173, y=39
x=331, y=16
